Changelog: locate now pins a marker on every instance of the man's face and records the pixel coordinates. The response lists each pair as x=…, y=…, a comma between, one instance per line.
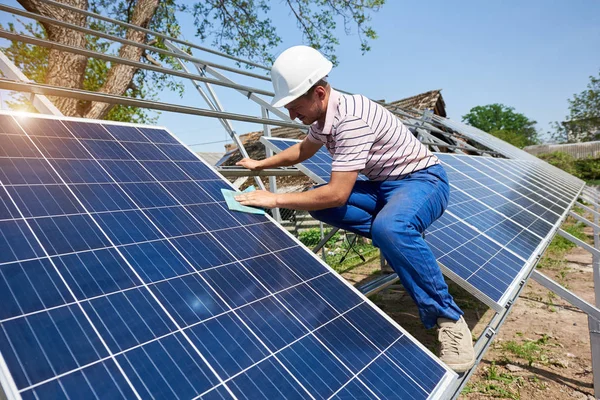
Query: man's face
x=307, y=108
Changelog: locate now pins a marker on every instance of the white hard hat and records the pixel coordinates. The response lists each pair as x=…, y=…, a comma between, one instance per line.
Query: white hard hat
x=295, y=71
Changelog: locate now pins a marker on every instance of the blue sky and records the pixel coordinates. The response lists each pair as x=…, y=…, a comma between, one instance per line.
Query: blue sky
x=530, y=55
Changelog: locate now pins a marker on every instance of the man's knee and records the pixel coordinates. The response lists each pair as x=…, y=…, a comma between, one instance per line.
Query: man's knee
x=385, y=230
x=319, y=215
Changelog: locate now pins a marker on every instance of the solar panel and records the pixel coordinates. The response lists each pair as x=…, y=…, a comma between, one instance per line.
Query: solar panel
x=504, y=148
x=124, y=275
x=318, y=167
x=501, y=215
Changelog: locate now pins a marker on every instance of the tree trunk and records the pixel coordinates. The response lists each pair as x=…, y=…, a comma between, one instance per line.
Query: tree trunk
x=120, y=76
x=64, y=69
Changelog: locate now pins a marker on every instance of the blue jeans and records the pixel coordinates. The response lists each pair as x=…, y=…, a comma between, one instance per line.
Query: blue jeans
x=394, y=214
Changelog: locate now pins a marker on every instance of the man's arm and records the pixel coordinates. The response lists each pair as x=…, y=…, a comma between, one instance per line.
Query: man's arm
x=333, y=194
x=290, y=156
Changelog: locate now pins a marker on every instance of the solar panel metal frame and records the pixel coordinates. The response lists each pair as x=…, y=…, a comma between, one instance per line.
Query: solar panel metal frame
x=525, y=271
x=8, y=384
x=523, y=275
x=502, y=147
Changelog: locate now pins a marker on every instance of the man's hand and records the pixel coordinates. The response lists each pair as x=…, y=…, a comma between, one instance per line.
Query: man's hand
x=258, y=198
x=249, y=163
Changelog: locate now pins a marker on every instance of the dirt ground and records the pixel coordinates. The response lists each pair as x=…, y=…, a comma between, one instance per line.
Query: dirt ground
x=542, y=350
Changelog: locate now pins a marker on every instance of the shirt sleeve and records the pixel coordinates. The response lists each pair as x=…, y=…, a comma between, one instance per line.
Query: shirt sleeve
x=353, y=141
x=311, y=136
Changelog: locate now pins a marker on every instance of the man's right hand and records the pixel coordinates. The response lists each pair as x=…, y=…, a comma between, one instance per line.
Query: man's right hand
x=249, y=164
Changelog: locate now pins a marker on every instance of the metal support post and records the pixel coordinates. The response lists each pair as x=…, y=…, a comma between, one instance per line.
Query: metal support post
x=214, y=104
x=269, y=153
x=323, y=254
x=593, y=323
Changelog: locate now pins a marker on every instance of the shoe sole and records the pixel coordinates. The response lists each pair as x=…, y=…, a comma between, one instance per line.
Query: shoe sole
x=460, y=368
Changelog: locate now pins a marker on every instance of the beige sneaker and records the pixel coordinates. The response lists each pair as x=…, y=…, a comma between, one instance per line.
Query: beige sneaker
x=456, y=345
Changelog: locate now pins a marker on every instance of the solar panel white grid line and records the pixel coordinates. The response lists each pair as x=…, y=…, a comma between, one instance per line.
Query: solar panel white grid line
x=158, y=338
x=526, y=166
x=137, y=243
x=503, y=147
x=165, y=310
x=499, y=305
x=478, y=294
x=112, y=357
x=132, y=269
x=154, y=283
x=300, y=166
x=283, y=348
x=542, y=187
x=543, y=179
x=532, y=257
x=501, y=169
x=500, y=195
x=545, y=175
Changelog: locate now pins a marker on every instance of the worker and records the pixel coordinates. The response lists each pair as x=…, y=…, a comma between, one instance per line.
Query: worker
x=406, y=192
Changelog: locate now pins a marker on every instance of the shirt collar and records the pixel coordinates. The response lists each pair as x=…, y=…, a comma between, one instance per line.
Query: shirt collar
x=332, y=110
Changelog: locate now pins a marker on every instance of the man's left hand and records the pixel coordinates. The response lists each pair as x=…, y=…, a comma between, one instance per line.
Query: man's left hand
x=258, y=198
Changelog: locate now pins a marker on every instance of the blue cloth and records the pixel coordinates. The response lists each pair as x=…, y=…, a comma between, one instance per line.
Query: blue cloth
x=395, y=214
x=234, y=205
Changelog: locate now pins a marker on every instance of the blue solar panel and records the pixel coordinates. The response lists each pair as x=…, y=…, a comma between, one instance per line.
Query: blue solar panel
x=318, y=167
x=500, y=216
x=124, y=275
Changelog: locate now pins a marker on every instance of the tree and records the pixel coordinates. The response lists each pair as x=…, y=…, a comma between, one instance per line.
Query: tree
x=238, y=27
x=505, y=123
x=583, y=122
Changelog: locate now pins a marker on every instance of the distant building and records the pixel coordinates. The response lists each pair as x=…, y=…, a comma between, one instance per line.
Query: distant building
x=577, y=150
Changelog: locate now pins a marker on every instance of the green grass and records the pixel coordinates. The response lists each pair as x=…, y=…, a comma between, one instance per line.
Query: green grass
x=554, y=256
x=529, y=350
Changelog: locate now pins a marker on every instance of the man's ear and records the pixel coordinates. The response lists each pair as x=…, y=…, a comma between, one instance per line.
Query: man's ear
x=321, y=92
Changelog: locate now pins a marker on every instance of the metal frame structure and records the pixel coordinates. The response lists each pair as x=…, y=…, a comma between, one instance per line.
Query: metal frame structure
x=428, y=128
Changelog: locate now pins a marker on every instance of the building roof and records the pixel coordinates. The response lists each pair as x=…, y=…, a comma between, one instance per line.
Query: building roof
x=431, y=100
x=211, y=158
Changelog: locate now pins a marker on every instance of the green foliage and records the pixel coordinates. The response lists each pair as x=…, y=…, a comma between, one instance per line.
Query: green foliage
x=311, y=237
x=243, y=28
x=503, y=122
x=587, y=169
x=561, y=160
x=583, y=122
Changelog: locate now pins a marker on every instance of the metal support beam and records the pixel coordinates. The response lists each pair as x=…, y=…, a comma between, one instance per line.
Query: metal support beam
x=40, y=102
x=325, y=240
x=151, y=32
x=567, y=295
x=234, y=171
x=579, y=242
x=214, y=103
x=583, y=219
x=114, y=59
x=269, y=153
x=586, y=208
x=223, y=78
x=121, y=40
x=595, y=324
x=49, y=90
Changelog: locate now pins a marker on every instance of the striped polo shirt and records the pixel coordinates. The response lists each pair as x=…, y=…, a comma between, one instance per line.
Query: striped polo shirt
x=363, y=136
